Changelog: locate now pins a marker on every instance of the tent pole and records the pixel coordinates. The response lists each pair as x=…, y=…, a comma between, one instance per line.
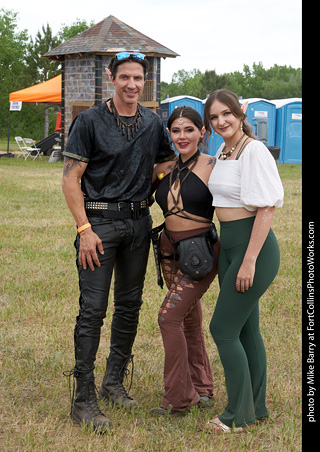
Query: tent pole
x=8, y=130
x=8, y=154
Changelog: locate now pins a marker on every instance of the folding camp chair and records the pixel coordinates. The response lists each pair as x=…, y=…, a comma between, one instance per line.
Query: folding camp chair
x=32, y=149
x=22, y=147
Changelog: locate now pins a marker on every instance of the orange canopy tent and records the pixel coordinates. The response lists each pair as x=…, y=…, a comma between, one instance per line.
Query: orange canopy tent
x=46, y=92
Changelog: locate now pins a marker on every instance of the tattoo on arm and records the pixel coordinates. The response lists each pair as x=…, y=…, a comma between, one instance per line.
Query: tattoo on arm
x=69, y=164
x=212, y=161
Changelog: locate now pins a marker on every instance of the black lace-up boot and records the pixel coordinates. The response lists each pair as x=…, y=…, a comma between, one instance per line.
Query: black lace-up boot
x=112, y=388
x=84, y=407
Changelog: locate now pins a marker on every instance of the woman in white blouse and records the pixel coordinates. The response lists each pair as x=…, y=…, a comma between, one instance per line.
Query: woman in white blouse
x=246, y=189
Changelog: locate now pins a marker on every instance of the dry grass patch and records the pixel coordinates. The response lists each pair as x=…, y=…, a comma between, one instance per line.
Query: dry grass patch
x=38, y=306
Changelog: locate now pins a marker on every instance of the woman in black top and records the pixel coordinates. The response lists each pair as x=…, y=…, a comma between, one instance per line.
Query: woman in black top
x=186, y=203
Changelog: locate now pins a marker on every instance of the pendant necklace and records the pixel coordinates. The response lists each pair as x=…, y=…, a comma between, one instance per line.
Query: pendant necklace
x=126, y=129
x=224, y=154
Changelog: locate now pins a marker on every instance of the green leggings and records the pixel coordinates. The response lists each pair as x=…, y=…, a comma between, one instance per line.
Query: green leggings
x=235, y=323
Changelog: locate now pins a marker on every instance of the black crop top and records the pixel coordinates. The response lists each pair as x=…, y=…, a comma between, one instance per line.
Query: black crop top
x=195, y=195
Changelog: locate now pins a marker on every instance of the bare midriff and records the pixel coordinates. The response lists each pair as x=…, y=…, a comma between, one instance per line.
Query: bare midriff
x=233, y=213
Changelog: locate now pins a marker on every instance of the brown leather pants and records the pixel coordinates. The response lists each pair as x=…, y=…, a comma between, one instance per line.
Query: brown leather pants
x=187, y=370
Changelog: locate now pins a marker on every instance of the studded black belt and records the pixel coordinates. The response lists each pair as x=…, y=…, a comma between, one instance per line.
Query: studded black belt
x=117, y=210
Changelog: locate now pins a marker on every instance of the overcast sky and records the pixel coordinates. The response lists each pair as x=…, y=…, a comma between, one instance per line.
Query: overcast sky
x=220, y=35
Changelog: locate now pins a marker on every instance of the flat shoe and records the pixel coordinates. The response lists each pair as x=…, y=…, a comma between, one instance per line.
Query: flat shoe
x=218, y=427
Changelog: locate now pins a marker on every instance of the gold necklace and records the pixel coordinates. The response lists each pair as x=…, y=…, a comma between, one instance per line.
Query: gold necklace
x=224, y=154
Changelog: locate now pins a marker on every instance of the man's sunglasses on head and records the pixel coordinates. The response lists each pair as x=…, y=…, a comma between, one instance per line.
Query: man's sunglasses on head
x=123, y=55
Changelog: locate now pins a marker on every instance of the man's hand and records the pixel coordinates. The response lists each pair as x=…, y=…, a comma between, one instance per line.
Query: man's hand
x=90, y=243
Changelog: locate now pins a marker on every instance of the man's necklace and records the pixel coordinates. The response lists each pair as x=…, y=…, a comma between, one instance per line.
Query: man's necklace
x=126, y=129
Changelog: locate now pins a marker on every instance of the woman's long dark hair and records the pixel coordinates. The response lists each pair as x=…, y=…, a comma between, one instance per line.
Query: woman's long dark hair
x=193, y=115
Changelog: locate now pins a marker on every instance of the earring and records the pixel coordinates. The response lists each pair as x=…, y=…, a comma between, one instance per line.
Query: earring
x=241, y=126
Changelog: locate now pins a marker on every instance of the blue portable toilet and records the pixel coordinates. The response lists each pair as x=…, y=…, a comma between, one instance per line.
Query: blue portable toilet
x=214, y=141
x=168, y=105
x=261, y=115
x=289, y=129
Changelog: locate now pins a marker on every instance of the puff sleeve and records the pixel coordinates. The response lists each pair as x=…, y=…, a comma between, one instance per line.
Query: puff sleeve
x=260, y=181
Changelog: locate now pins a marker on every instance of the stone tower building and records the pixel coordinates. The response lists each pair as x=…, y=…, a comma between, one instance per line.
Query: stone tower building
x=85, y=57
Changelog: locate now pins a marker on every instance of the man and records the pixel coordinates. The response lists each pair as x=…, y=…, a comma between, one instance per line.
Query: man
x=109, y=158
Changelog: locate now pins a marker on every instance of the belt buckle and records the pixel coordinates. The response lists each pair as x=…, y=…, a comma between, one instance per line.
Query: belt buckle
x=119, y=205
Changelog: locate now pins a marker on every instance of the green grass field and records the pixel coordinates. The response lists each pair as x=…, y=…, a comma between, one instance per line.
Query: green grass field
x=38, y=306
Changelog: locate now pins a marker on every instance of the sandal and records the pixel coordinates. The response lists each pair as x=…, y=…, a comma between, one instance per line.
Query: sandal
x=218, y=427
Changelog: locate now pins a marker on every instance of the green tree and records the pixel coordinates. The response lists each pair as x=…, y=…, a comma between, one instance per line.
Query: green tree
x=12, y=64
x=278, y=82
x=183, y=83
x=22, y=65
x=42, y=69
x=236, y=82
x=13, y=49
x=67, y=32
x=210, y=81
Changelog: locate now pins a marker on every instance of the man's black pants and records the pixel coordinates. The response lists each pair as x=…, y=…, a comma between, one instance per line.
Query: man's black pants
x=126, y=247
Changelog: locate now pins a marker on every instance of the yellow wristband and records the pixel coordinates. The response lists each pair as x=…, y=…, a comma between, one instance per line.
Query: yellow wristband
x=85, y=226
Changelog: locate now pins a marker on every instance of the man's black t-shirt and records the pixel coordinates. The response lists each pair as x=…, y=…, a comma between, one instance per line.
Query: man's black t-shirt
x=118, y=169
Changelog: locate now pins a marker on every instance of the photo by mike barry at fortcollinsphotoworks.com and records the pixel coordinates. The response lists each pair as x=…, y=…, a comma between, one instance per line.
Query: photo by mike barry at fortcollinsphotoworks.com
x=309, y=375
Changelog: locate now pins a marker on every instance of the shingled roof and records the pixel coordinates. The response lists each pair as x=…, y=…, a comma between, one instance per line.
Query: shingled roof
x=109, y=37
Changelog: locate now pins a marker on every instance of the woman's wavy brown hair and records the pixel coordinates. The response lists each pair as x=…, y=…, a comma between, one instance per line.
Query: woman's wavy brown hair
x=226, y=97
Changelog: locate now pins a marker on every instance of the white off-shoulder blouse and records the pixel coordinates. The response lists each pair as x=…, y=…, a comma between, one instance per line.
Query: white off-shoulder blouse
x=251, y=182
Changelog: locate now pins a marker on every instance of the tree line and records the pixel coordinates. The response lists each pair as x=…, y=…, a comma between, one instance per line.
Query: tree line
x=278, y=82
x=22, y=65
